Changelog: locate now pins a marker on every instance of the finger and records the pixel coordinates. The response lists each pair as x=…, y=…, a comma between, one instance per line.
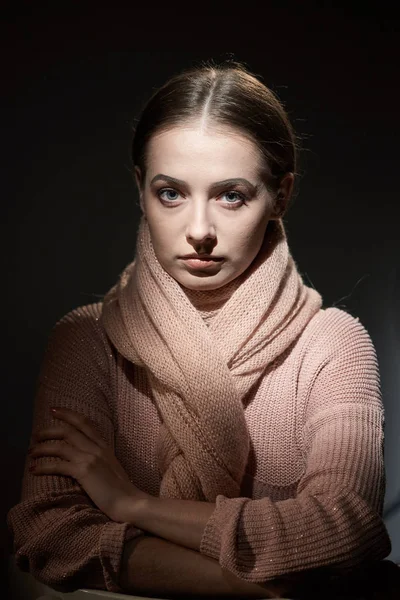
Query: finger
x=71, y=435
x=77, y=439
x=80, y=422
x=80, y=464
x=50, y=433
x=64, y=451
x=58, y=467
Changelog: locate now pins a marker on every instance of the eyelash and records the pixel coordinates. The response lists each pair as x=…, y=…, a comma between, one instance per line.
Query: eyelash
x=230, y=206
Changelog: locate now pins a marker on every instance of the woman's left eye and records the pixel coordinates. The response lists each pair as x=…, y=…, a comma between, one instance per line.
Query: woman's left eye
x=236, y=196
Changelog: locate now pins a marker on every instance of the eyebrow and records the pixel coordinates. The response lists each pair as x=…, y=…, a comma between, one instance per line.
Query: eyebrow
x=218, y=184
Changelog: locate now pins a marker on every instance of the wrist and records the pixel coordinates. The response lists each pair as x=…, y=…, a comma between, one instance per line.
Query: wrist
x=132, y=509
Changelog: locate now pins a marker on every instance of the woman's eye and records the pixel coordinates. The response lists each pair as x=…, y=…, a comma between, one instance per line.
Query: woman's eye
x=234, y=197
x=168, y=194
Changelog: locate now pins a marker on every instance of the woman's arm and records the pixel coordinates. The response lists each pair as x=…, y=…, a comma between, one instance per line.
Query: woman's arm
x=179, y=521
x=152, y=566
x=60, y=536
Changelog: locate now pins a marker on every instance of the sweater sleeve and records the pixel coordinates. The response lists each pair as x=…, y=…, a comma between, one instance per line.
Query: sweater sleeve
x=335, y=517
x=59, y=535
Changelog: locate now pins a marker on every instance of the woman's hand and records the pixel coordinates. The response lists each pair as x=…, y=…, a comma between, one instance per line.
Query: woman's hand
x=85, y=456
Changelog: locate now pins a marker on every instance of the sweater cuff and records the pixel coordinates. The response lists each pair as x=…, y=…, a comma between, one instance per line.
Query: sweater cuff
x=221, y=527
x=112, y=540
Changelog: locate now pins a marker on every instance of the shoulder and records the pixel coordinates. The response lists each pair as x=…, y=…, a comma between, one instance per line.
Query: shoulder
x=83, y=319
x=80, y=331
x=335, y=334
x=339, y=367
x=77, y=368
x=88, y=314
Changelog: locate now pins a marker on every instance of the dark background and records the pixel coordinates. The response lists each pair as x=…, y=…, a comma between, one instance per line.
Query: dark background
x=70, y=205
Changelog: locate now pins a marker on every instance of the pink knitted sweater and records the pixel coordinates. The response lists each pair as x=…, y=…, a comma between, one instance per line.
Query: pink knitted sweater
x=250, y=396
x=313, y=487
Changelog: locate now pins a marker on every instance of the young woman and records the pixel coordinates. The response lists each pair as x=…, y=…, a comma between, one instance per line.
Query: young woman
x=210, y=428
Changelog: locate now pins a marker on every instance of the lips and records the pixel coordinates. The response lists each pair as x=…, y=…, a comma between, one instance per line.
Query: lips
x=201, y=257
x=201, y=265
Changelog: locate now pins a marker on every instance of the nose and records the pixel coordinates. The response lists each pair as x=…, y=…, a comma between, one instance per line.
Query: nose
x=200, y=228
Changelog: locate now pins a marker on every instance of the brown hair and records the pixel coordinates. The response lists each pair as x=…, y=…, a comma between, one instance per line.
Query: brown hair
x=227, y=94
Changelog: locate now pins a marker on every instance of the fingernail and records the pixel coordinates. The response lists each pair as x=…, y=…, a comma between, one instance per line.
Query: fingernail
x=54, y=410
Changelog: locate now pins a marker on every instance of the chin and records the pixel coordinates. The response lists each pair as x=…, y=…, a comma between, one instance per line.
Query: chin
x=207, y=283
x=204, y=287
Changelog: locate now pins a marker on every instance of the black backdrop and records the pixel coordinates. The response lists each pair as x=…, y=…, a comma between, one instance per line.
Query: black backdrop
x=71, y=207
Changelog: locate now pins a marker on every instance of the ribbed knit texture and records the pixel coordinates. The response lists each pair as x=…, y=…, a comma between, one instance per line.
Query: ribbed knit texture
x=312, y=489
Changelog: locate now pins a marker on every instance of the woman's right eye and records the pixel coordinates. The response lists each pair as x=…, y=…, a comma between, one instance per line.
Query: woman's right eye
x=168, y=194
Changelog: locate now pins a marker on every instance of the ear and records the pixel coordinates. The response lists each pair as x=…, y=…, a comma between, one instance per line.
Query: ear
x=283, y=196
x=139, y=184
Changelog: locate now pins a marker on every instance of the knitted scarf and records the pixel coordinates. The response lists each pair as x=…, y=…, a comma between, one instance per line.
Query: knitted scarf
x=199, y=374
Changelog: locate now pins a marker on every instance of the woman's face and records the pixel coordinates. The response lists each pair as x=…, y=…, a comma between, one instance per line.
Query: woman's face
x=204, y=194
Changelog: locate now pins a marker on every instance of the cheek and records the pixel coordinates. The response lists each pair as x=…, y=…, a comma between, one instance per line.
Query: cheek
x=251, y=242
x=162, y=242
x=252, y=235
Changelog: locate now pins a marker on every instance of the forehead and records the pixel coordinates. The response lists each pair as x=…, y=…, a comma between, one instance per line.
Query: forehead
x=214, y=151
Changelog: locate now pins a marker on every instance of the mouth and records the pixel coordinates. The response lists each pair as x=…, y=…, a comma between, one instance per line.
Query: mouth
x=203, y=263
x=201, y=257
